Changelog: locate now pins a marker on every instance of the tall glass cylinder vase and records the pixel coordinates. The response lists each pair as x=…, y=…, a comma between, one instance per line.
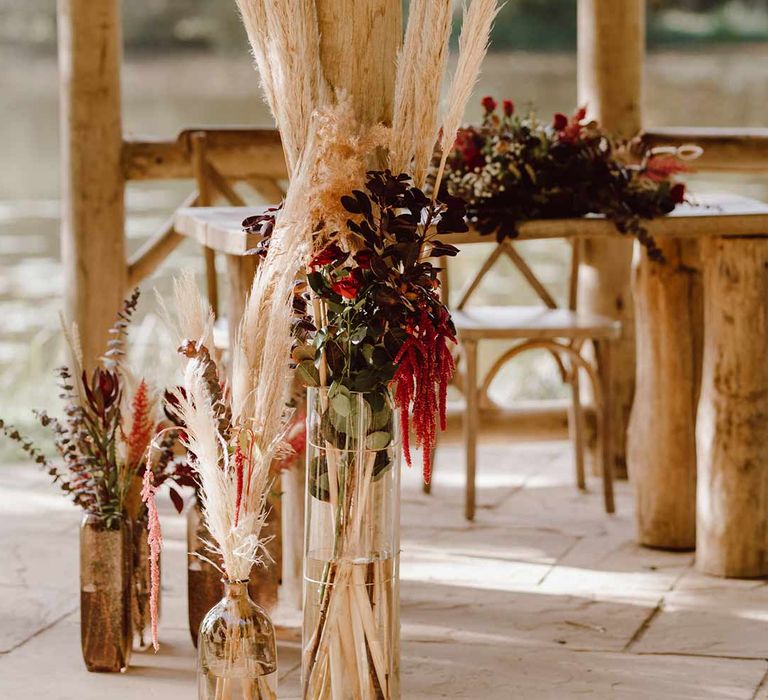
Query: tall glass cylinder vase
x=106, y=584
x=351, y=634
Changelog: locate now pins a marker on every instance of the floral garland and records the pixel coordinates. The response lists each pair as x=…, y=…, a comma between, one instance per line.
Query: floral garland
x=515, y=168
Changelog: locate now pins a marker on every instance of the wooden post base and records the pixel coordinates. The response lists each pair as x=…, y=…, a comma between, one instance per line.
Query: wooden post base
x=661, y=437
x=732, y=426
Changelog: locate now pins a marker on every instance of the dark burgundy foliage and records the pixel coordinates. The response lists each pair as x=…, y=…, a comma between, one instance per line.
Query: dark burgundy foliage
x=386, y=322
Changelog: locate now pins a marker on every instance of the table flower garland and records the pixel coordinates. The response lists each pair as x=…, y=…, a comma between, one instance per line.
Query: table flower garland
x=514, y=168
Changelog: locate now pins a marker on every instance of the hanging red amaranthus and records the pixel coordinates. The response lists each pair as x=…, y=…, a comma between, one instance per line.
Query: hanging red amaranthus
x=425, y=367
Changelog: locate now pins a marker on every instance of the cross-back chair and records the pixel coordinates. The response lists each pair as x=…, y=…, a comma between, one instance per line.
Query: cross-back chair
x=561, y=331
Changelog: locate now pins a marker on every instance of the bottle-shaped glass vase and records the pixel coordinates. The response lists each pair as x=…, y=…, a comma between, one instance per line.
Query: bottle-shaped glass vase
x=236, y=649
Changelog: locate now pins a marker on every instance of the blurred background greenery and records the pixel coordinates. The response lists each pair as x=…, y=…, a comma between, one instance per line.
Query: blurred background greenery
x=187, y=64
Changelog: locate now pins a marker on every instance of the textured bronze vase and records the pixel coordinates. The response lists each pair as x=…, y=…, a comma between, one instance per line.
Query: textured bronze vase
x=204, y=585
x=106, y=558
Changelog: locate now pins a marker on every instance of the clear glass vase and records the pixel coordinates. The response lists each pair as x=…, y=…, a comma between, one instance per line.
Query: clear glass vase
x=204, y=584
x=142, y=585
x=351, y=633
x=236, y=649
x=106, y=582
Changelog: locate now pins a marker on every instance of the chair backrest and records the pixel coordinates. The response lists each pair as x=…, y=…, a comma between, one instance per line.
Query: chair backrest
x=508, y=249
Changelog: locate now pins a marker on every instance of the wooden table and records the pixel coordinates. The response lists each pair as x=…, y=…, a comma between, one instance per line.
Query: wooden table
x=702, y=372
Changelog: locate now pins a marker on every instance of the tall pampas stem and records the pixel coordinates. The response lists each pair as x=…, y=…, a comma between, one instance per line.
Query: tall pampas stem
x=473, y=45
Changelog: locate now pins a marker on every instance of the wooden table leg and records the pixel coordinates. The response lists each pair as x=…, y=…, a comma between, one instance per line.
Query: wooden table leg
x=240, y=272
x=732, y=427
x=470, y=425
x=605, y=433
x=661, y=436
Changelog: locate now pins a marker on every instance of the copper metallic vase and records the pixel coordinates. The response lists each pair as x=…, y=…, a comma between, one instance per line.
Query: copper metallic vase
x=106, y=557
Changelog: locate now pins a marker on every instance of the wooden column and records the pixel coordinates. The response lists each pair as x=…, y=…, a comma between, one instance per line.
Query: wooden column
x=611, y=51
x=92, y=219
x=359, y=42
x=732, y=427
x=661, y=439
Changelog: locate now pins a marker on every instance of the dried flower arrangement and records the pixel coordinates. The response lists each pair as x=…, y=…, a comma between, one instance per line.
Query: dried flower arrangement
x=233, y=439
x=370, y=320
x=103, y=439
x=513, y=168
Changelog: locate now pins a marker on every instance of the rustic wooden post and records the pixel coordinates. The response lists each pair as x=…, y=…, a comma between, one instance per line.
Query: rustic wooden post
x=359, y=42
x=732, y=427
x=92, y=228
x=611, y=50
x=662, y=439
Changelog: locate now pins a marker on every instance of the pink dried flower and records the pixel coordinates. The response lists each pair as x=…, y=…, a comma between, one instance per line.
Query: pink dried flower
x=155, y=541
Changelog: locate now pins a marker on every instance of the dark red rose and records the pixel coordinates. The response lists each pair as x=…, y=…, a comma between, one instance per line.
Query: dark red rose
x=489, y=104
x=363, y=258
x=348, y=287
x=560, y=121
x=677, y=193
x=468, y=144
x=331, y=254
x=579, y=114
x=509, y=108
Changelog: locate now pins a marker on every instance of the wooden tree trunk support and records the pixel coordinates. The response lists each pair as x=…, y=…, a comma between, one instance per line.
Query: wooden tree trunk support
x=92, y=222
x=611, y=37
x=732, y=426
x=662, y=440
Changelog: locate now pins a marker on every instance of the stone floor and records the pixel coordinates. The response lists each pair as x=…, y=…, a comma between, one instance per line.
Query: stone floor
x=544, y=596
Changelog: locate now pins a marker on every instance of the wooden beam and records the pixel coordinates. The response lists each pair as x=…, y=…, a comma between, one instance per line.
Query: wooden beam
x=92, y=222
x=611, y=52
x=239, y=153
x=725, y=150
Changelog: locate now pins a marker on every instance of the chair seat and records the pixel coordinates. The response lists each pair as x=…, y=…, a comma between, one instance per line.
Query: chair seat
x=531, y=322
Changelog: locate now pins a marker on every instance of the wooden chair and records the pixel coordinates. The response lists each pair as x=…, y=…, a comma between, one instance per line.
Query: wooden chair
x=561, y=331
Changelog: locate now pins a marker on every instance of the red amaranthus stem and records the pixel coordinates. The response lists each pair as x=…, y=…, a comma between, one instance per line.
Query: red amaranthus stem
x=425, y=366
x=141, y=426
x=155, y=541
x=239, y=471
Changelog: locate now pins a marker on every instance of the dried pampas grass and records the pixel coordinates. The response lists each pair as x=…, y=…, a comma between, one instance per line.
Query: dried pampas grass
x=285, y=41
x=473, y=45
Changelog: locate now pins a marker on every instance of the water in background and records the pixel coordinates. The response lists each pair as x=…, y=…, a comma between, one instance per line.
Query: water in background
x=163, y=93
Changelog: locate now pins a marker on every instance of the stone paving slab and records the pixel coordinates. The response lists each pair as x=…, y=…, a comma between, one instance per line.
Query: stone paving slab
x=543, y=596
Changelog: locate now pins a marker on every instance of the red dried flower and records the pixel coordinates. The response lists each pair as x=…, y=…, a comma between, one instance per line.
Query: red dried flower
x=660, y=168
x=424, y=369
x=560, y=121
x=348, y=286
x=489, y=104
x=331, y=254
x=580, y=114
x=141, y=426
x=677, y=193
x=509, y=108
x=363, y=258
